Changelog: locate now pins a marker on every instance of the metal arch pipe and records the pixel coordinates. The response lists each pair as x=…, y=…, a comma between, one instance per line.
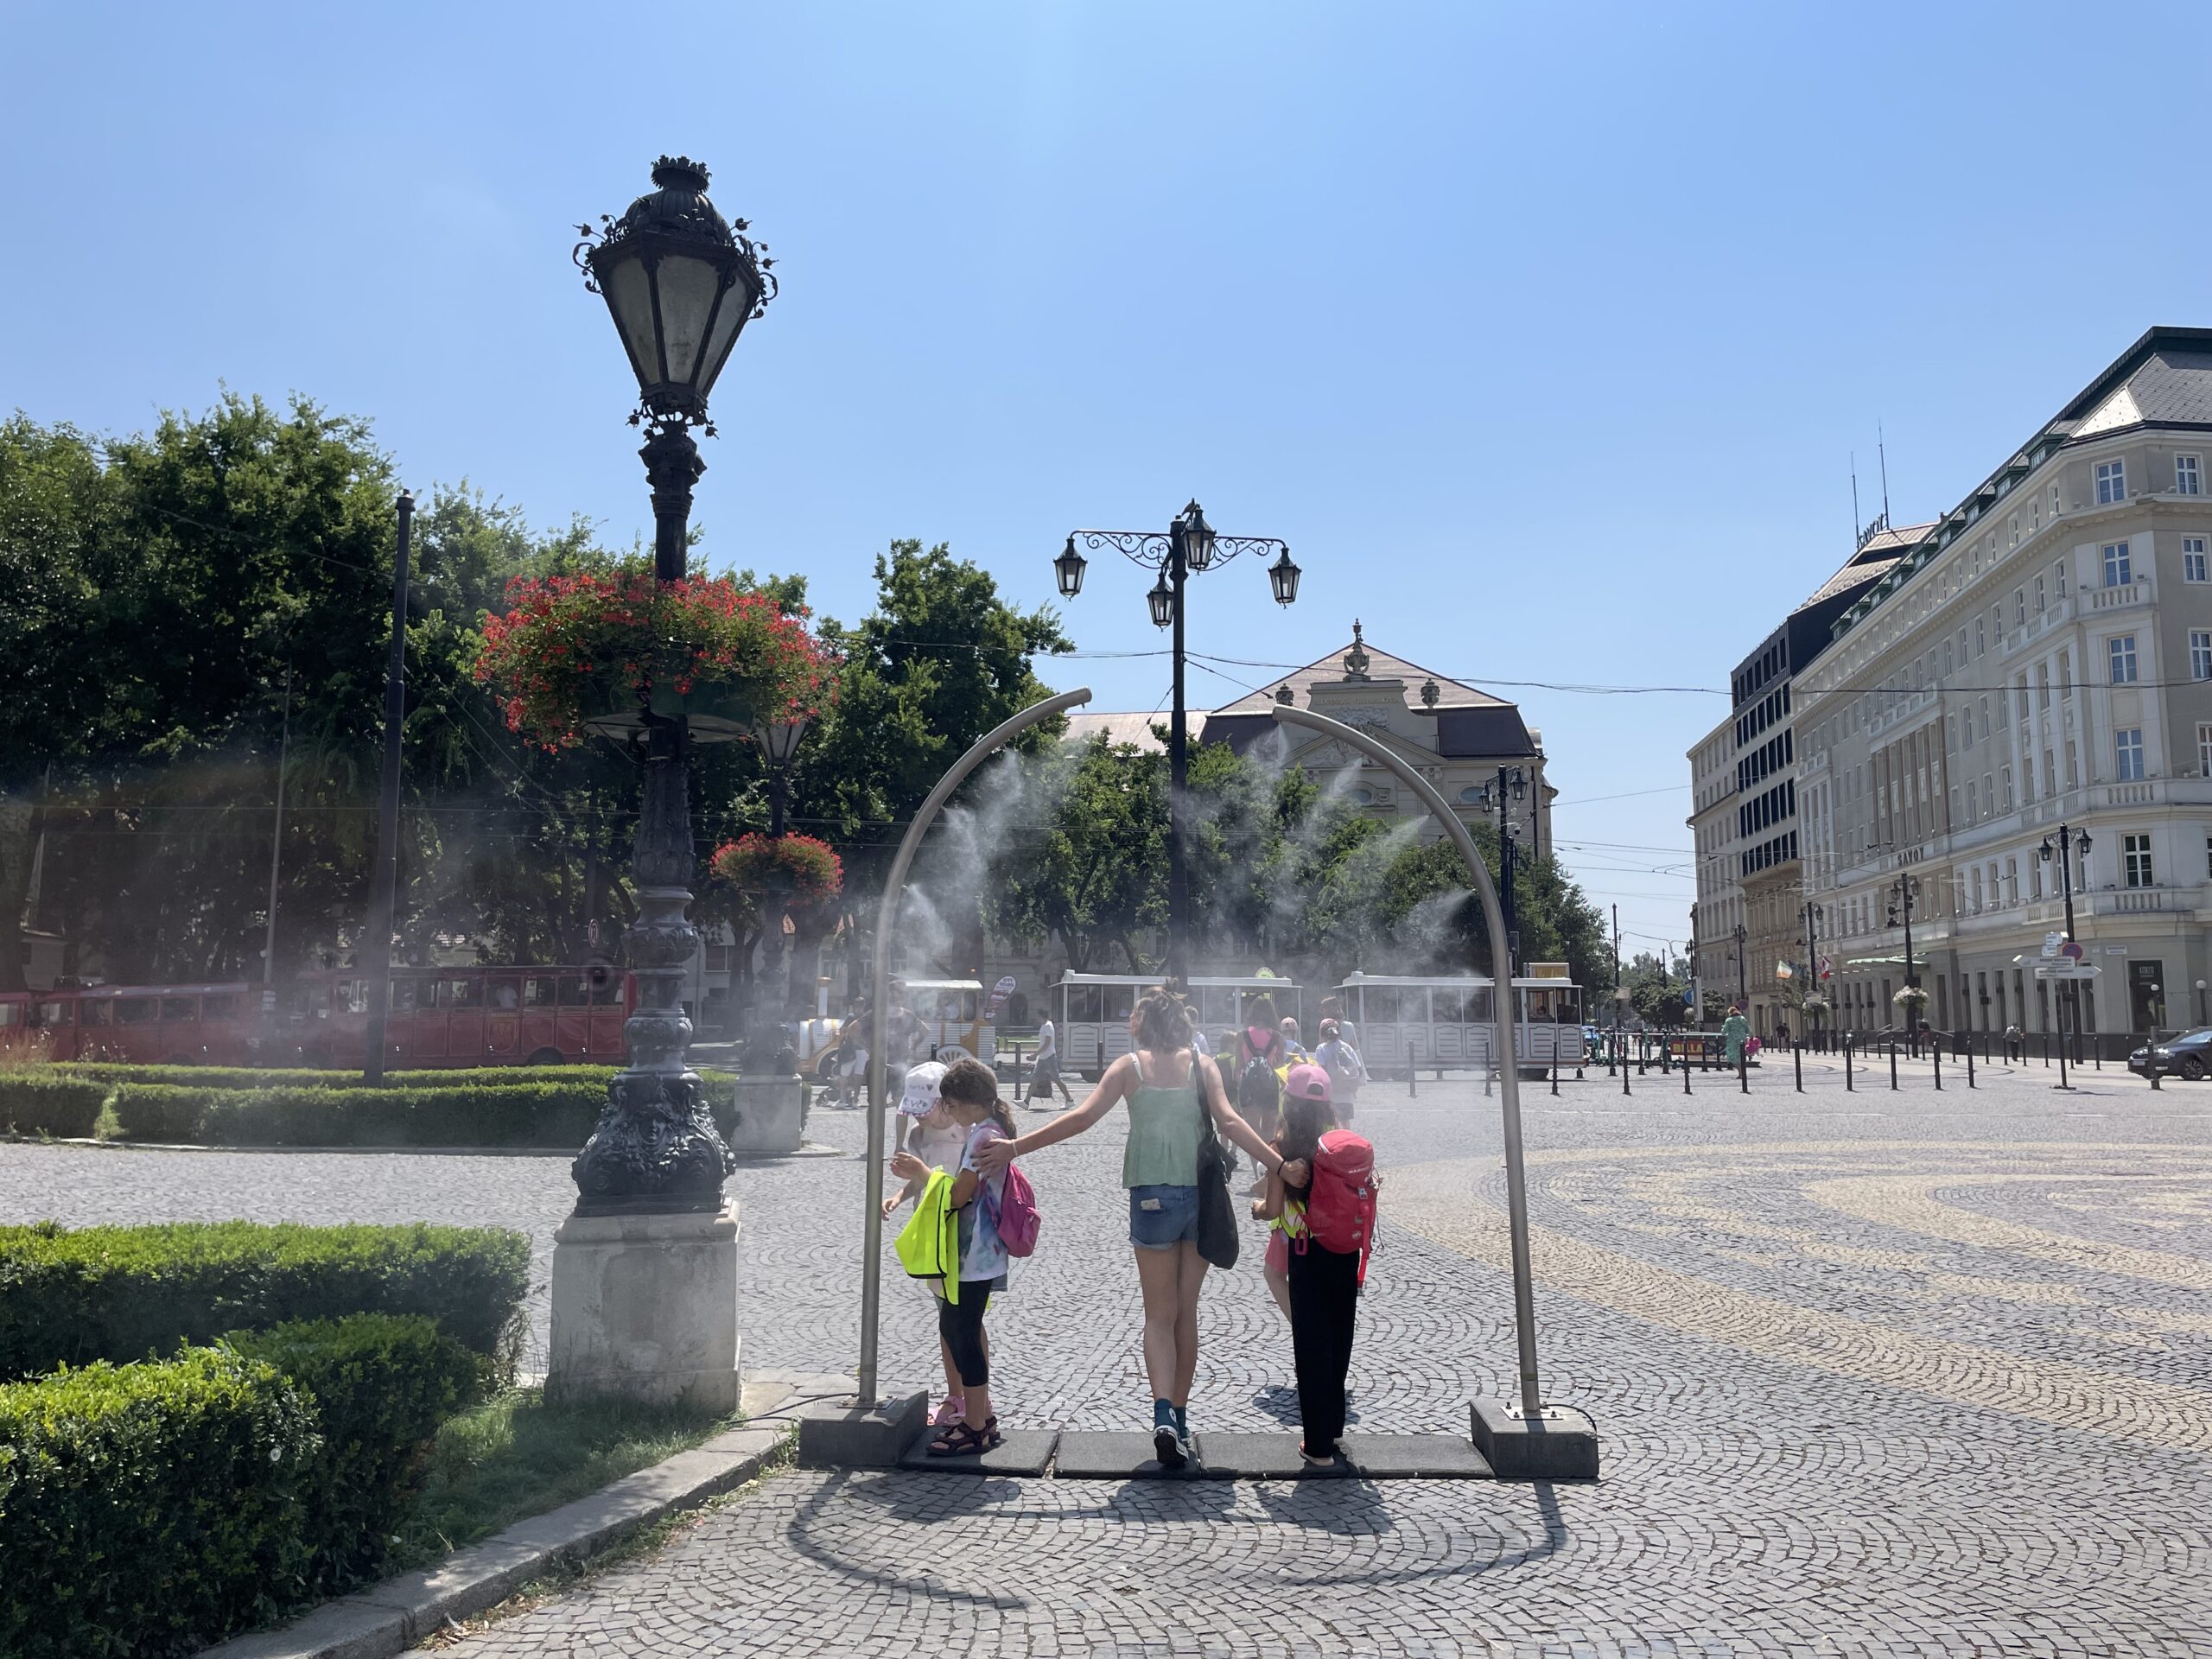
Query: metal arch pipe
x=887, y=916
x=1517, y=1191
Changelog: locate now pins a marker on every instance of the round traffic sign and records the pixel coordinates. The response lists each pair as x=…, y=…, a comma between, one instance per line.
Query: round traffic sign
x=2072, y=948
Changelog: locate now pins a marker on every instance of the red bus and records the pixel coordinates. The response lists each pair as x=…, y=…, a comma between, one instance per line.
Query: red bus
x=438, y=1017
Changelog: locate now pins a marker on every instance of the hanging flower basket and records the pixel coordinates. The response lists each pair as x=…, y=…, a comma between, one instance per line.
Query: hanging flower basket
x=1910, y=996
x=798, y=868
x=598, y=652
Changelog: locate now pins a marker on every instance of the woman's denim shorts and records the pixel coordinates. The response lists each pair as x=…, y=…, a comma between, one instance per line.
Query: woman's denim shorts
x=1161, y=1218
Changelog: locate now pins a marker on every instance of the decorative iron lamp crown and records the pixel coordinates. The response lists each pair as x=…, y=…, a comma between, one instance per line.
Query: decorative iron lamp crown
x=681, y=283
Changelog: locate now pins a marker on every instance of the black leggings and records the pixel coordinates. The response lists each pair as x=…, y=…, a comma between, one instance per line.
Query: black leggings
x=1323, y=1298
x=961, y=1324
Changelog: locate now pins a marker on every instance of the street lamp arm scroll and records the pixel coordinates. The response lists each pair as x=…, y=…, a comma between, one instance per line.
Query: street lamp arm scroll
x=1148, y=548
x=886, y=918
x=1516, y=1190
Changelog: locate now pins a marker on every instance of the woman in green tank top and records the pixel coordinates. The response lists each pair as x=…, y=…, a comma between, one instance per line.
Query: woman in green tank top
x=1168, y=1087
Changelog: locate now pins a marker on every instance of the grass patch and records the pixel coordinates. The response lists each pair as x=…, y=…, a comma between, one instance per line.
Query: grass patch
x=515, y=1457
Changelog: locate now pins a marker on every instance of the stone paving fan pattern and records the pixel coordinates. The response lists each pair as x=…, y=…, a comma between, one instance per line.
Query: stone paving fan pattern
x=1878, y=1373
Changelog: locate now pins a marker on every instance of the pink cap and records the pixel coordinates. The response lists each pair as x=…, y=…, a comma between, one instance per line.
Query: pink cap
x=1308, y=1083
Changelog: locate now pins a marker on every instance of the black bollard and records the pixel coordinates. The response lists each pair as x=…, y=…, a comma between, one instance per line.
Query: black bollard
x=1686, y=1072
x=1970, y=1082
x=1554, y=1062
x=1797, y=1060
x=1848, y=1087
x=1893, y=1063
x=1936, y=1051
x=1743, y=1068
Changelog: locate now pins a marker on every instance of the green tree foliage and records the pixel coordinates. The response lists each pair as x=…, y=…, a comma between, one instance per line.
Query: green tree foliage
x=1657, y=989
x=1281, y=872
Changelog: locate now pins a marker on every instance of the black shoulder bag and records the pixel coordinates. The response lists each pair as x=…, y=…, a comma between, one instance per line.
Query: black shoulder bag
x=1219, y=1236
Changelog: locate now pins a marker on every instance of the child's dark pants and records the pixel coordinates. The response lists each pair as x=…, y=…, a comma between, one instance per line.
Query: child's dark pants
x=961, y=1324
x=1324, y=1296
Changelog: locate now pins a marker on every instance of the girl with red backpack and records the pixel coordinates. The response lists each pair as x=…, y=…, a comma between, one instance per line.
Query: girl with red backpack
x=1324, y=1231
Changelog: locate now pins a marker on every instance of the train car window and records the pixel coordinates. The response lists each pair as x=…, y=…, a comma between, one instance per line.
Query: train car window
x=1119, y=1002
x=352, y=995
x=461, y=993
x=1448, y=1007
x=503, y=996
x=606, y=987
x=223, y=1006
x=135, y=1010
x=101, y=1013
x=572, y=991
x=56, y=1013
x=970, y=1003
x=11, y=1015
x=1083, y=1002
x=539, y=991
x=180, y=1008
x=406, y=996
x=1380, y=1001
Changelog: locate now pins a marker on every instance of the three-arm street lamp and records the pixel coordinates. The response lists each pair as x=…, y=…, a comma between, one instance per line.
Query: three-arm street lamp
x=1189, y=547
x=681, y=283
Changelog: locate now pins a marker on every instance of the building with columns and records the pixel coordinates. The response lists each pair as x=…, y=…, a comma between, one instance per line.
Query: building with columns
x=2038, y=658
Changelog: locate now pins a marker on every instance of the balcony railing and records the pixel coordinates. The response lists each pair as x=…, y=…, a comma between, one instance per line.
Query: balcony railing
x=2123, y=597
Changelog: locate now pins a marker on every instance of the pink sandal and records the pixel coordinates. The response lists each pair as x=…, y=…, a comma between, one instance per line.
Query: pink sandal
x=954, y=1410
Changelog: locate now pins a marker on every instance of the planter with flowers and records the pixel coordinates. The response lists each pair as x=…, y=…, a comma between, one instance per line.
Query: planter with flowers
x=798, y=869
x=604, y=652
x=775, y=873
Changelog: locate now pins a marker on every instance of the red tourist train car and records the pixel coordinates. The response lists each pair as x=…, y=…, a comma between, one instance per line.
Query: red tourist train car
x=438, y=1017
x=144, y=1025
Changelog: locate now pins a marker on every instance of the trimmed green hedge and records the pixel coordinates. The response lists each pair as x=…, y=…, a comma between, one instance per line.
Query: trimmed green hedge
x=558, y=1114
x=149, y=1509
x=244, y=1077
x=122, y=1293
x=34, y=1103
x=380, y=1385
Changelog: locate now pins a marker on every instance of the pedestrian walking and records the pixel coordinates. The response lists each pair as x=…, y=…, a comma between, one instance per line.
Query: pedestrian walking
x=1046, y=1076
x=1344, y=1068
x=1170, y=1092
x=1326, y=1257
x=2016, y=1043
x=1260, y=1056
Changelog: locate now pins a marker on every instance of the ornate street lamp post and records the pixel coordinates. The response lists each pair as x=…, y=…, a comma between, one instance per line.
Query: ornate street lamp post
x=2072, y=842
x=1190, y=546
x=1512, y=785
x=1742, y=988
x=681, y=283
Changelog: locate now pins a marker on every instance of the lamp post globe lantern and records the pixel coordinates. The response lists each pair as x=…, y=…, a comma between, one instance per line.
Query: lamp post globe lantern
x=1162, y=599
x=1069, y=569
x=1197, y=538
x=1283, y=576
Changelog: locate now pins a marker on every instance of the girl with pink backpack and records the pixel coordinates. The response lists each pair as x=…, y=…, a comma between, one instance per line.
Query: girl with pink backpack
x=1318, y=1250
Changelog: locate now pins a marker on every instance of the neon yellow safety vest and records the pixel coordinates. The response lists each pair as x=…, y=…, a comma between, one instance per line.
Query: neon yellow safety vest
x=929, y=1246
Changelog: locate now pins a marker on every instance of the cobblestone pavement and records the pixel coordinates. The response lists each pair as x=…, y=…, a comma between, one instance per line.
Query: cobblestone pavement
x=1876, y=1373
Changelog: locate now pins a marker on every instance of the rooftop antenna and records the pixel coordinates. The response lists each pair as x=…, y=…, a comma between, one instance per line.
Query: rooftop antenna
x=1881, y=447
x=1856, y=534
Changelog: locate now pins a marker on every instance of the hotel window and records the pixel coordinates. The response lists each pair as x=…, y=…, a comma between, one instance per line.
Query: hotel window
x=2019, y=608
x=2016, y=530
x=2204, y=748
x=2112, y=482
x=2207, y=858
x=2065, y=674
x=2119, y=569
x=2121, y=649
x=2054, y=501
x=2039, y=605
x=2200, y=654
x=1973, y=803
x=2135, y=859
x=2043, y=685
x=2073, y=767
x=2128, y=754
x=2193, y=562
x=2189, y=476
x=2058, y=578
x=2049, y=775
x=2012, y=880
x=1978, y=645
x=2004, y=782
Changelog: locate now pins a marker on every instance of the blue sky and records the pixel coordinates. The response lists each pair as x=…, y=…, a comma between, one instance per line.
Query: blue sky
x=1543, y=334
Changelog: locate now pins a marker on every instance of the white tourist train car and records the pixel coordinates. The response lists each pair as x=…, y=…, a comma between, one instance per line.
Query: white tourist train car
x=1092, y=1012
x=1406, y=1021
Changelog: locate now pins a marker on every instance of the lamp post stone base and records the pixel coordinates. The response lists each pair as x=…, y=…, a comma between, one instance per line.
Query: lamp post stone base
x=1561, y=1445
x=645, y=1307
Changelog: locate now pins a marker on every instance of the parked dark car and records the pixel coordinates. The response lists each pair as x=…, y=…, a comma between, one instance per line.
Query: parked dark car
x=2188, y=1055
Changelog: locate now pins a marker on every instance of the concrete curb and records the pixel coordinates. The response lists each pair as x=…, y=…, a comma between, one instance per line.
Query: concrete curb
x=396, y=1614
x=810, y=1149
